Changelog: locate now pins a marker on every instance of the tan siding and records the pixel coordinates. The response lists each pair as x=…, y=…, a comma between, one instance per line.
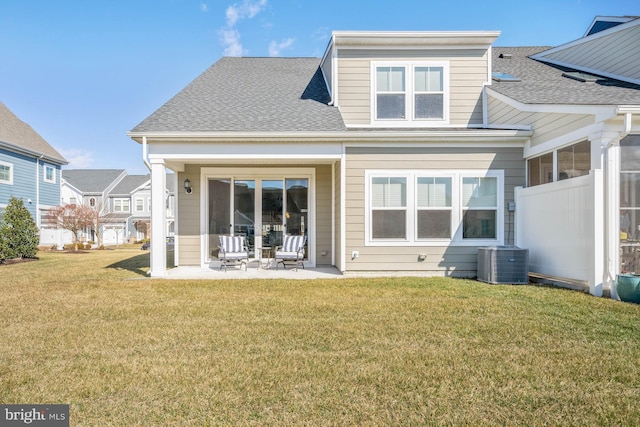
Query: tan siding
x=338, y=204
x=323, y=214
x=454, y=260
x=546, y=126
x=467, y=73
x=188, y=207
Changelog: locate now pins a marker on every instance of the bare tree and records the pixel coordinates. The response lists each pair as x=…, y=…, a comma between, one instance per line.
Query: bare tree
x=98, y=216
x=73, y=218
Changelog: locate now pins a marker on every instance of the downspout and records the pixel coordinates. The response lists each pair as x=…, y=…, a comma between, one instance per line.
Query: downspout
x=38, y=159
x=612, y=214
x=145, y=153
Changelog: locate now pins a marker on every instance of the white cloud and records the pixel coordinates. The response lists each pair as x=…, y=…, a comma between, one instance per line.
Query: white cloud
x=321, y=34
x=276, y=48
x=78, y=159
x=231, y=42
x=230, y=36
x=204, y=7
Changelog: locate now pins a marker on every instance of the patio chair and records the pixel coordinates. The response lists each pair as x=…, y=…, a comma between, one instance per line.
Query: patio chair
x=233, y=250
x=291, y=251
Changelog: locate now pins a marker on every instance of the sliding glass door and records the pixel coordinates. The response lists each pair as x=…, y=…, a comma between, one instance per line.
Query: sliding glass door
x=260, y=209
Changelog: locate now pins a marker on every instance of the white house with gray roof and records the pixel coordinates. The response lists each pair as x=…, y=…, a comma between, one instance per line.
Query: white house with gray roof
x=403, y=153
x=124, y=201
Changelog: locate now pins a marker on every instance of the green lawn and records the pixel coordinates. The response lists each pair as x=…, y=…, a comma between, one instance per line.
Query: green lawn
x=89, y=330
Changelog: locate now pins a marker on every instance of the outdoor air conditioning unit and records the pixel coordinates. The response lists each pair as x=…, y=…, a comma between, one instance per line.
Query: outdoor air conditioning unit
x=503, y=264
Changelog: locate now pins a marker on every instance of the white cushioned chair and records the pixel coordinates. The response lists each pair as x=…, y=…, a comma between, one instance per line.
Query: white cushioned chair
x=291, y=251
x=233, y=250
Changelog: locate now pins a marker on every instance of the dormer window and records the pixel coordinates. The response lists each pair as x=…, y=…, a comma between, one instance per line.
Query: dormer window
x=410, y=93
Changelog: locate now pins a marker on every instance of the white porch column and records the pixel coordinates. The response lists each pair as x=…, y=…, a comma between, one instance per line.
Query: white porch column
x=158, y=219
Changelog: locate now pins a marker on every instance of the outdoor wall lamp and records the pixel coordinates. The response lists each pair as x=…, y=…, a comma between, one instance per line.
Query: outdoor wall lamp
x=187, y=186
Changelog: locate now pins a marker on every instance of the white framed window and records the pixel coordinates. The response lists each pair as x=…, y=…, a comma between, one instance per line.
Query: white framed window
x=139, y=205
x=6, y=173
x=434, y=208
x=92, y=202
x=121, y=205
x=49, y=174
x=410, y=93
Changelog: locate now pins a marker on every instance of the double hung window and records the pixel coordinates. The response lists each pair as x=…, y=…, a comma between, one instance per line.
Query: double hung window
x=6, y=173
x=434, y=207
x=410, y=94
x=121, y=205
x=49, y=174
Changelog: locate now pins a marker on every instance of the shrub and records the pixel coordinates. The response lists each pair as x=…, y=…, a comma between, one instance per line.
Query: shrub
x=19, y=235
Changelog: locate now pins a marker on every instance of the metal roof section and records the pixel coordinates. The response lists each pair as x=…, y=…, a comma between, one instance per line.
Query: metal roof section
x=612, y=53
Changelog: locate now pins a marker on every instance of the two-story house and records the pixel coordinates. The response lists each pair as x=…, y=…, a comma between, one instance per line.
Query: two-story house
x=29, y=167
x=130, y=209
x=404, y=152
x=124, y=203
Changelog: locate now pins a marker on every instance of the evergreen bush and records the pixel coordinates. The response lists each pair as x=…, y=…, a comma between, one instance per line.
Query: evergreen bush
x=19, y=235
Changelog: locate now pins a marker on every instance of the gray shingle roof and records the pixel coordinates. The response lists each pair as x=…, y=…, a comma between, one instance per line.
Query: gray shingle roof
x=250, y=95
x=16, y=133
x=91, y=180
x=544, y=84
x=129, y=183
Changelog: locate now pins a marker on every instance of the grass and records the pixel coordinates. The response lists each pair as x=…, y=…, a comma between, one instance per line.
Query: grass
x=88, y=330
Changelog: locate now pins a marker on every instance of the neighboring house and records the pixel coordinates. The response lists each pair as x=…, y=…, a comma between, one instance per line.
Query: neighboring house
x=29, y=168
x=123, y=200
x=404, y=152
x=130, y=208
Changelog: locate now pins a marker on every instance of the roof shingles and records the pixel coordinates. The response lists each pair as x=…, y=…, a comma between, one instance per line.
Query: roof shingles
x=542, y=83
x=250, y=95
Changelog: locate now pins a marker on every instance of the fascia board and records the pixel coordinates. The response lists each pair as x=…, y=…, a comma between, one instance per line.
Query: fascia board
x=413, y=38
x=31, y=153
x=337, y=137
x=602, y=112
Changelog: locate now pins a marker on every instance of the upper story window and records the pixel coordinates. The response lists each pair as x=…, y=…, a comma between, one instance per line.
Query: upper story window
x=410, y=94
x=92, y=202
x=121, y=205
x=49, y=174
x=139, y=205
x=6, y=173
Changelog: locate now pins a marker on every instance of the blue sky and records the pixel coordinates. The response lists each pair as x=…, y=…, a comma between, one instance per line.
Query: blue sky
x=83, y=73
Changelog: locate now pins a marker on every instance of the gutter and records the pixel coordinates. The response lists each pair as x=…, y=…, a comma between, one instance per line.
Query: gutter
x=145, y=153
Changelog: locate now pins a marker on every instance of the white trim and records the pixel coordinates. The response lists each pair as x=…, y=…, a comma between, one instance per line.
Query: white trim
x=258, y=174
x=457, y=208
x=135, y=205
x=333, y=213
x=342, y=262
x=121, y=200
x=409, y=91
x=10, y=166
x=331, y=137
x=602, y=112
x=44, y=175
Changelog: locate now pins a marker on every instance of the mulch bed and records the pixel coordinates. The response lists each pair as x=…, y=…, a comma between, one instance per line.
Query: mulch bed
x=17, y=261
